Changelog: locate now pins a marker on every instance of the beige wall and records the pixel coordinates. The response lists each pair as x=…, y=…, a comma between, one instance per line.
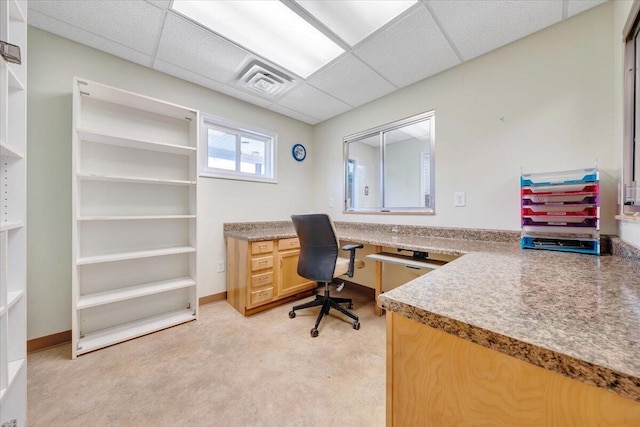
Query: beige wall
x=554, y=90
x=53, y=62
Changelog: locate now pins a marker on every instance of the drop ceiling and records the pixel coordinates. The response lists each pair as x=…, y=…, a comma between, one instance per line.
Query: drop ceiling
x=426, y=39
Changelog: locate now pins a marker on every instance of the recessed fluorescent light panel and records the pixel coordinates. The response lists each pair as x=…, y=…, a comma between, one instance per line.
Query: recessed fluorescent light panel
x=353, y=20
x=268, y=28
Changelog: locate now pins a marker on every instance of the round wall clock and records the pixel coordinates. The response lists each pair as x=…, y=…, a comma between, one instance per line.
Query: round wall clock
x=299, y=152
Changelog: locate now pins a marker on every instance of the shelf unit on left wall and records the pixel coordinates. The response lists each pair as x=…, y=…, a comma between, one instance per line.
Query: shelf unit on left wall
x=134, y=161
x=13, y=230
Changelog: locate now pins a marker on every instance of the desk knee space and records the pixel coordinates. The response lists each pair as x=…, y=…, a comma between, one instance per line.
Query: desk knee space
x=380, y=257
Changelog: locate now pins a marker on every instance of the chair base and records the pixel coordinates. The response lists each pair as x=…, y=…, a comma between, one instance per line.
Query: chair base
x=327, y=302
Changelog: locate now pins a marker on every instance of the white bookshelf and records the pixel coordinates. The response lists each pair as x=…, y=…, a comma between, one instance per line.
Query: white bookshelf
x=13, y=168
x=134, y=215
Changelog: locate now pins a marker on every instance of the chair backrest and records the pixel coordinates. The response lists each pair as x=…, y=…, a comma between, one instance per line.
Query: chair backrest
x=318, y=246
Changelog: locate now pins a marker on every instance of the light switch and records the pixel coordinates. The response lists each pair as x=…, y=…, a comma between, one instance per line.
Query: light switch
x=460, y=199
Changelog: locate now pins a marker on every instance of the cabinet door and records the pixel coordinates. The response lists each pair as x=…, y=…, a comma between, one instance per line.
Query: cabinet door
x=289, y=281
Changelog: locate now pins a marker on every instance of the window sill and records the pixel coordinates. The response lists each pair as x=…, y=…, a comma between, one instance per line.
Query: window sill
x=635, y=217
x=239, y=177
x=389, y=212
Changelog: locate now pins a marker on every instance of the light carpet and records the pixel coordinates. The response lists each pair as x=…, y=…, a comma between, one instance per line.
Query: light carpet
x=222, y=370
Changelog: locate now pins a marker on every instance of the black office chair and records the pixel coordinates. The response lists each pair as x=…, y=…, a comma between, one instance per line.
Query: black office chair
x=319, y=261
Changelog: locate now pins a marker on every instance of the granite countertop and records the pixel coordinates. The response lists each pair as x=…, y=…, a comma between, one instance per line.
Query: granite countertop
x=575, y=314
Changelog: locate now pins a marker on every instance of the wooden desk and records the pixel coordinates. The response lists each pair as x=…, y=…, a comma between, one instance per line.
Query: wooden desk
x=398, y=259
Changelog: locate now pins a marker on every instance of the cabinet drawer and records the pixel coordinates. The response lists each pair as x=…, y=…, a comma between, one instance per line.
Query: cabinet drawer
x=261, y=279
x=292, y=243
x=263, y=295
x=261, y=247
x=262, y=263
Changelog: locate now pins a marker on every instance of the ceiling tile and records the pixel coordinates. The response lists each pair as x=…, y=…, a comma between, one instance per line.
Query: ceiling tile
x=191, y=47
x=134, y=24
x=312, y=102
x=577, y=6
x=162, y=4
x=351, y=81
x=410, y=50
x=62, y=29
x=294, y=114
x=477, y=27
x=190, y=76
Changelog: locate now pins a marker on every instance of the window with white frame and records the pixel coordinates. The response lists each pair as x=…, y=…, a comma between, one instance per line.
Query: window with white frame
x=236, y=151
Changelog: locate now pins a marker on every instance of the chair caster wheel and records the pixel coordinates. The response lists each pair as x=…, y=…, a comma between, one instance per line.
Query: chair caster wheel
x=356, y=325
x=350, y=306
x=292, y=314
x=314, y=333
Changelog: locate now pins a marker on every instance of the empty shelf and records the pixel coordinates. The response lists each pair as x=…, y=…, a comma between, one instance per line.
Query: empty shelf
x=132, y=100
x=95, y=340
x=14, y=369
x=16, y=12
x=12, y=298
x=6, y=226
x=101, y=298
x=121, y=256
x=14, y=81
x=7, y=150
x=132, y=217
x=87, y=135
x=133, y=179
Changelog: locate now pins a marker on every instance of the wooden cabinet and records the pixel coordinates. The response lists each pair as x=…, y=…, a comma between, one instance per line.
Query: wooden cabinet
x=289, y=282
x=435, y=378
x=13, y=214
x=134, y=215
x=263, y=274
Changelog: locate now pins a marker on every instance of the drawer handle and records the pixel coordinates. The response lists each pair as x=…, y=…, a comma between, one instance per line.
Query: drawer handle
x=262, y=279
x=263, y=262
x=262, y=246
x=263, y=293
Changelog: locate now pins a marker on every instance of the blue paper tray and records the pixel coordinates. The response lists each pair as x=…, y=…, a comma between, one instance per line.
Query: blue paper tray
x=561, y=244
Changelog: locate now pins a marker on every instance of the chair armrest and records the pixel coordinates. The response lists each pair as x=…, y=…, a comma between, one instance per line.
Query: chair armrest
x=352, y=256
x=351, y=247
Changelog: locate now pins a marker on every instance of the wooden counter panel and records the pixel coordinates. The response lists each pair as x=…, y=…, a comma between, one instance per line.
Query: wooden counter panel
x=437, y=379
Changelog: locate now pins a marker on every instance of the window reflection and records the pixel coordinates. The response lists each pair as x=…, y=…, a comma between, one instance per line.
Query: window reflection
x=390, y=168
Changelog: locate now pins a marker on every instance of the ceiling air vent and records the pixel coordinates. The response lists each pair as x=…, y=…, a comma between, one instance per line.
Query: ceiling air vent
x=260, y=78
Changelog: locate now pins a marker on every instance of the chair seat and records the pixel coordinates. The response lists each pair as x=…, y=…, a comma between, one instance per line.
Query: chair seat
x=342, y=266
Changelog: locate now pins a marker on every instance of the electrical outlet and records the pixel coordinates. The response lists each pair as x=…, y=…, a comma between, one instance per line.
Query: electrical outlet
x=331, y=202
x=459, y=199
x=220, y=266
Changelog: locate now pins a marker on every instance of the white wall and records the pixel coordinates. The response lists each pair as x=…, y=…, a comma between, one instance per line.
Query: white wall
x=554, y=90
x=629, y=231
x=53, y=62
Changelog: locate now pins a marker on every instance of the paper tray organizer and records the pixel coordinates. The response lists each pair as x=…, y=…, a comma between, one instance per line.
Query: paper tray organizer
x=561, y=211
